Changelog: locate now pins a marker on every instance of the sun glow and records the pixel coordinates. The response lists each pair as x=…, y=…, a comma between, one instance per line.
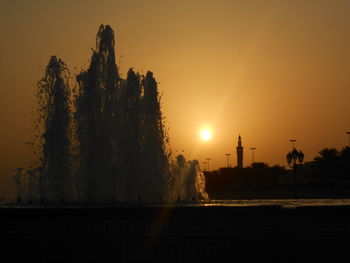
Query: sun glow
x=205, y=135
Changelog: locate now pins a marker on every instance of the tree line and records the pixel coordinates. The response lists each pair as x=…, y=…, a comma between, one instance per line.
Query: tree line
x=327, y=174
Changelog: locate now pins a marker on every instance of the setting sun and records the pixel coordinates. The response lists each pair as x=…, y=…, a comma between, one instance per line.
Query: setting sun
x=205, y=135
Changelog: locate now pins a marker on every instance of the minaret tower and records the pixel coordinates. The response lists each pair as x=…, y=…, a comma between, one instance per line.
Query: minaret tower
x=239, y=153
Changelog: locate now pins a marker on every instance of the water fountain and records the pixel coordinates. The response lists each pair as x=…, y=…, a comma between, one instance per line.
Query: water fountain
x=104, y=141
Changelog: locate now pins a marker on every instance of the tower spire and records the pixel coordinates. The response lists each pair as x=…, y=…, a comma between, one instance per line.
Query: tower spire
x=239, y=151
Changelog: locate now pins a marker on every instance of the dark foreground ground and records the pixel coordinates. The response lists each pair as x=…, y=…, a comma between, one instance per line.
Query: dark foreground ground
x=175, y=234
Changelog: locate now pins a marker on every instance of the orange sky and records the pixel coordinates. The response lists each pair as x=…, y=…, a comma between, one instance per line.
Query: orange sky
x=268, y=70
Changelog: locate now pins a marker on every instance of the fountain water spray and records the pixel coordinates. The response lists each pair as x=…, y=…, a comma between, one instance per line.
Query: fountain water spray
x=106, y=143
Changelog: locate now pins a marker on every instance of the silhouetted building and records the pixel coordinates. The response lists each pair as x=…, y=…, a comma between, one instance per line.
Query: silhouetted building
x=239, y=150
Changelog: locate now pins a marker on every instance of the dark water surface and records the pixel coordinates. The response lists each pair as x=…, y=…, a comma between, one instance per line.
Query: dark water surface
x=287, y=230
x=284, y=203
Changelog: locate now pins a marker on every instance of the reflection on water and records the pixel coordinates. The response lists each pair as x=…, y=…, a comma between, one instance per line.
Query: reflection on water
x=284, y=203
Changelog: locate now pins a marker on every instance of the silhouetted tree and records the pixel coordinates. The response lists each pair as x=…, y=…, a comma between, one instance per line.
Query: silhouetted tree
x=259, y=165
x=345, y=165
x=328, y=161
x=327, y=156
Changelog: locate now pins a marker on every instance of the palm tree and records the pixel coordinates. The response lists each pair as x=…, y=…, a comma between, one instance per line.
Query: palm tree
x=327, y=155
x=328, y=162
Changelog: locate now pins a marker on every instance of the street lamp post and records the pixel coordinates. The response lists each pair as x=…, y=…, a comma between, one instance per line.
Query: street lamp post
x=295, y=158
x=208, y=159
x=228, y=158
x=252, y=148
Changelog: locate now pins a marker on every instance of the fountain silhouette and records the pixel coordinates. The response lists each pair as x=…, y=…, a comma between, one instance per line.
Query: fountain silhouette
x=104, y=141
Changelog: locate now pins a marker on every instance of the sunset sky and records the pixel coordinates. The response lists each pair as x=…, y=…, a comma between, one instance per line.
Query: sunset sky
x=270, y=71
